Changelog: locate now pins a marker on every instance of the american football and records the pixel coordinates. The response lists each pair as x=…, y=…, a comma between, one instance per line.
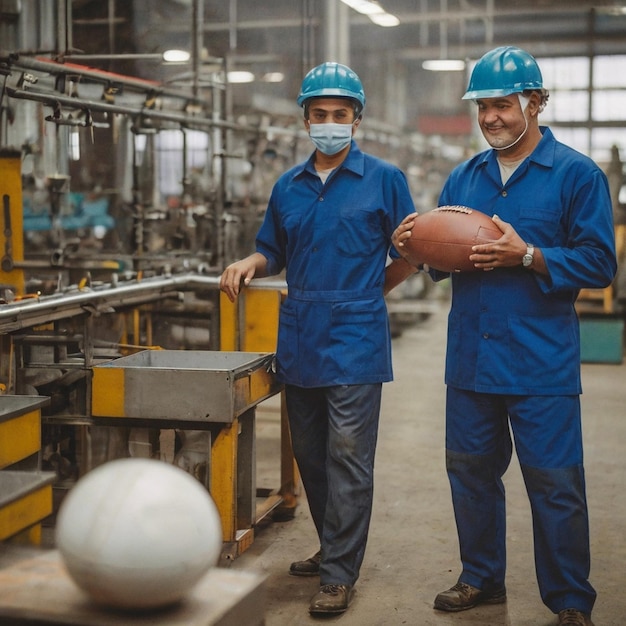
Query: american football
x=443, y=238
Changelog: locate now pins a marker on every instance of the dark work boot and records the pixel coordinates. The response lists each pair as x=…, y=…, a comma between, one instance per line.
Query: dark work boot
x=308, y=567
x=462, y=597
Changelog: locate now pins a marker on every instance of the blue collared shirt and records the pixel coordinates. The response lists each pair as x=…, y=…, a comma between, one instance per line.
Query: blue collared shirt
x=333, y=239
x=512, y=331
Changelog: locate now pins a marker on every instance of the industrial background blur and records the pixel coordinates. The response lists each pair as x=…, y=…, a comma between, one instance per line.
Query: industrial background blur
x=139, y=142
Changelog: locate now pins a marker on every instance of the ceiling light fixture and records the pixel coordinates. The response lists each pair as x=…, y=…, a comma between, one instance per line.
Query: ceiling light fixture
x=273, y=77
x=384, y=19
x=176, y=56
x=444, y=65
x=374, y=11
x=240, y=76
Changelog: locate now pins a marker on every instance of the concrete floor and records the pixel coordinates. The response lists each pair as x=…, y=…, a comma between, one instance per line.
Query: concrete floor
x=412, y=551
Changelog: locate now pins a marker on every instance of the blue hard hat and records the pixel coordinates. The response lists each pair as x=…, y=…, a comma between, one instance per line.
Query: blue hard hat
x=503, y=71
x=330, y=80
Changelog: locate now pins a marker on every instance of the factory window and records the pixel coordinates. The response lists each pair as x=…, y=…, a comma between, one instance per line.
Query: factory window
x=565, y=73
x=608, y=107
x=591, y=124
x=566, y=106
x=169, y=148
x=567, y=80
x=74, y=144
x=608, y=71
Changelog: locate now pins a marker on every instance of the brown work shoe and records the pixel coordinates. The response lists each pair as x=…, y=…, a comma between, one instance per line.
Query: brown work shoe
x=463, y=596
x=574, y=617
x=331, y=599
x=308, y=567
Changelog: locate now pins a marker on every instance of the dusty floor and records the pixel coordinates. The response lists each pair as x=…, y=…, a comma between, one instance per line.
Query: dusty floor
x=412, y=552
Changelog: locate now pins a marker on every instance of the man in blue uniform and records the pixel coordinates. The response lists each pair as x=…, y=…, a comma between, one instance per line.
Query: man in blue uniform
x=513, y=353
x=329, y=223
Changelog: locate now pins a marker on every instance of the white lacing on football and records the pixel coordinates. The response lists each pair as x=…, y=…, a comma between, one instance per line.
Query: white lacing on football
x=453, y=209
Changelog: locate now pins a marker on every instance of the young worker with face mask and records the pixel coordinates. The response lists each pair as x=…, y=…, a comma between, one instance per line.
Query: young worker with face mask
x=329, y=223
x=513, y=353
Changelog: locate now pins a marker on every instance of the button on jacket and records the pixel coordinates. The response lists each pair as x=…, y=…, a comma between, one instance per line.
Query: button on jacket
x=333, y=239
x=512, y=331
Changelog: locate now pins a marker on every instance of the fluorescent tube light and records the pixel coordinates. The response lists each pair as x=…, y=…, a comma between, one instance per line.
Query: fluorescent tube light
x=240, y=76
x=374, y=11
x=273, y=77
x=444, y=65
x=176, y=56
x=365, y=7
x=384, y=19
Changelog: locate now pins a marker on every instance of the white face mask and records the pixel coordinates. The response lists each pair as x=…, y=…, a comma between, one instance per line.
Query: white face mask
x=330, y=138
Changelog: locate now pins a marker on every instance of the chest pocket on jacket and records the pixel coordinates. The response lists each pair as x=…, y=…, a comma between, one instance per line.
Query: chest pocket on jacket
x=539, y=224
x=360, y=232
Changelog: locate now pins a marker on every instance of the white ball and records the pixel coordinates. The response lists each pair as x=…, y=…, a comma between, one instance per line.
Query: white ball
x=138, y=533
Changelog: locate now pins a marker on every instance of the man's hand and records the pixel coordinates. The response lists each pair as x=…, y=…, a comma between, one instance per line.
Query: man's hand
x=241, y=273
x=403, y=232
x=505, y=252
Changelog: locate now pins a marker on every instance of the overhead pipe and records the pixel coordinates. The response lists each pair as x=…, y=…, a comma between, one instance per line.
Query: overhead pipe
x=190, y=121
x=140, y=85
x=31, y=312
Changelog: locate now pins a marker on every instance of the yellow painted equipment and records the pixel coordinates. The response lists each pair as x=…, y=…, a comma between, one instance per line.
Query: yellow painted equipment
x=12, y=220
x=25, y=491
x=251, y=323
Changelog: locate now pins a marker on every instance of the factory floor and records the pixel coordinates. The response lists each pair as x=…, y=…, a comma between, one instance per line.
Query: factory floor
x=412, y=552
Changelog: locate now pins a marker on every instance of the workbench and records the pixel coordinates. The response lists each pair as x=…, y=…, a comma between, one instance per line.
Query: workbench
x=35, y=588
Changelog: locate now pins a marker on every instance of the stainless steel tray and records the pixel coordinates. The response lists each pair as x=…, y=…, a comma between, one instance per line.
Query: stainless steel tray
x=14, y=485
x=14, y=406
x=182, y=385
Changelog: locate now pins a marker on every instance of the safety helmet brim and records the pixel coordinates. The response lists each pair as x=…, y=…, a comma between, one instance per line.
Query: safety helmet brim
x=477, y=94
x=329, y=93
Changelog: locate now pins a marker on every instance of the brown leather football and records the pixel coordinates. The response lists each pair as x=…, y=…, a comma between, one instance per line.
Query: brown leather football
x=443, y=238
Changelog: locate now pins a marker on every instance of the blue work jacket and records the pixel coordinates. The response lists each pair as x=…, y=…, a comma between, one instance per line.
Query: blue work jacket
x=511, y=330
x=334, y=239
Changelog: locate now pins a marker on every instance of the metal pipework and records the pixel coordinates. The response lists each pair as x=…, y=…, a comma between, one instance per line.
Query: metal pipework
x=54, y=101
x=138, y=85
x=28, y=313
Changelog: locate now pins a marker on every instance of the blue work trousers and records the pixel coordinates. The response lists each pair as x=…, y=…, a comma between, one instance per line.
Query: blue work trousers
x=548, y=442
x=334, y=432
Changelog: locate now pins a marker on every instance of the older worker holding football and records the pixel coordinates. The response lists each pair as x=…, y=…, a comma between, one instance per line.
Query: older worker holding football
x=329, y=224
x=513, y=353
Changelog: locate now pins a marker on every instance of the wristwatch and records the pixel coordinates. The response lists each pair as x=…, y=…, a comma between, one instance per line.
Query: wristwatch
x=527, y=259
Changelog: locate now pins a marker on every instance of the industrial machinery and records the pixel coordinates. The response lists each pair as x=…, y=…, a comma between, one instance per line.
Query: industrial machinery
x=123, y=198
x=95, y=273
